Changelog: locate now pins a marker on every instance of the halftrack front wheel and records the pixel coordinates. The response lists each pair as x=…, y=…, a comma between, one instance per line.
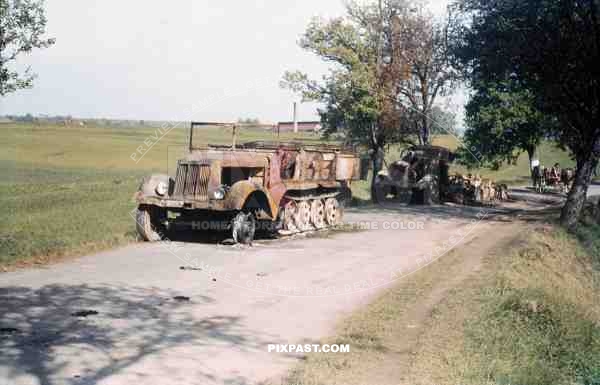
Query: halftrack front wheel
x=243, y=227
x=149, y=223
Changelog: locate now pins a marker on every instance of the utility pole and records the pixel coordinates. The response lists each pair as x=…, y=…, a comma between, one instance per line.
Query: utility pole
x=295, y=118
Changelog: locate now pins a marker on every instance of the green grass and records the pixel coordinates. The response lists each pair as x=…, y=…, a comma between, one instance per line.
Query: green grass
x=537, y=322
x=69, y=190
x=511, y=174
x=529, y=315
x=54, y=212
x=531, y=318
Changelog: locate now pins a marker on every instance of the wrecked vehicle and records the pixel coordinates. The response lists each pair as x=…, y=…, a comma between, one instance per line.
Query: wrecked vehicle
x=473, y=190
x=420, y=177
x=289, y=187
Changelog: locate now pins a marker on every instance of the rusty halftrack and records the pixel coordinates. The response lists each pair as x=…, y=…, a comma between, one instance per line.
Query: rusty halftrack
x=420, y=177
x=286, y=187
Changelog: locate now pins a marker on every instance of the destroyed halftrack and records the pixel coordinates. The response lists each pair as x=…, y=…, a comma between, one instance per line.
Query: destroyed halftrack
x=420, y=177
x=289, y=187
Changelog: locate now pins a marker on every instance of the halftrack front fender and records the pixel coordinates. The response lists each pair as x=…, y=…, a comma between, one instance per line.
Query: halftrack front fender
x=245, y=194
x=147, y=188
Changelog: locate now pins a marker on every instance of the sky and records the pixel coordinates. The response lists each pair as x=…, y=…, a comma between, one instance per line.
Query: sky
x=182, y=60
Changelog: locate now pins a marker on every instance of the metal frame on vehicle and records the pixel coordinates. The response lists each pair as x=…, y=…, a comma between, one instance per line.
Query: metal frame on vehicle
x=218, y=180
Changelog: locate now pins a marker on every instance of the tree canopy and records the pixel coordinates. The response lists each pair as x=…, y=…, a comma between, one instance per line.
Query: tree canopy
x=425, y=50
x=502, y=121
x=389, y=66
x=22, y=26
x=360, y=91
x=552, y=48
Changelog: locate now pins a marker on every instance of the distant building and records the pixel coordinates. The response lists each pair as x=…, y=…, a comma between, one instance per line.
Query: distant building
x=306, y=126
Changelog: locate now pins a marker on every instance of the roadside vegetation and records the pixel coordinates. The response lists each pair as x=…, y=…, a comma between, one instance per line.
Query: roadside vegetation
x=531, y=318
x=528, y=315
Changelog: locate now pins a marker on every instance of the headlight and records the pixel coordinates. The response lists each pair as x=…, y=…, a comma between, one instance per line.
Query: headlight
x=161, y=188
x=219, y=193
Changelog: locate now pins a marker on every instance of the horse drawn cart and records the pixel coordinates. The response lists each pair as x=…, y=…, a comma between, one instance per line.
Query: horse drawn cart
x=552, y=179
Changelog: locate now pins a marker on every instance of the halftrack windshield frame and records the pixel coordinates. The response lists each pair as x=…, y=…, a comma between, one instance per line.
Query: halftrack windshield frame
x=295, y=145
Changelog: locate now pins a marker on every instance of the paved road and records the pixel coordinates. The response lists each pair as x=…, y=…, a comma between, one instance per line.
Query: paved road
x=594, y=189
x=148, y=331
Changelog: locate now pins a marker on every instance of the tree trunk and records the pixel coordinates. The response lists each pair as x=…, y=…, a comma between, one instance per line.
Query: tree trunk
x=377, y=158
x=576, y=198
x=419, y=132
x=425, y=130
x=425, y=107
x=531, y=154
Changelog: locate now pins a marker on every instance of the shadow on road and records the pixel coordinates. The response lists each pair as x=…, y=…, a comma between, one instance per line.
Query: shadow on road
x=42, y=336
x=184, y=233
x=523, y=203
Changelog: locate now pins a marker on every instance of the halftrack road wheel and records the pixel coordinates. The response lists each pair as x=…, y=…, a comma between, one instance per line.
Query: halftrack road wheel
x=333, y=212
x=289, y=216
x=303, y=216
x=243, y=227
x=317, y=213
x=149, y=223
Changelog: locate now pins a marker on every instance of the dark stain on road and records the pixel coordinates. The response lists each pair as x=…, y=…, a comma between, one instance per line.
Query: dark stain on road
x=84, y=313
x=190, y=268
x=8, y=331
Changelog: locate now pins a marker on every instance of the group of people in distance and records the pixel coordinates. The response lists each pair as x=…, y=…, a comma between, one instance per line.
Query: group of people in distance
x=554, y=176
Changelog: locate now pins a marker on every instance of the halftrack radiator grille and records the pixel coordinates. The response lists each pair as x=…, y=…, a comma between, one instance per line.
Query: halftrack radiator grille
x=191, y=181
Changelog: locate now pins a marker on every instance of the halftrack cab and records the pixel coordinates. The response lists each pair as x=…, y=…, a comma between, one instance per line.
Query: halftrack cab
x=420, y=177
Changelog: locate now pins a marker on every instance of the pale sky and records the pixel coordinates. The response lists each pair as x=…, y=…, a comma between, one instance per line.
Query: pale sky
x=180, y=60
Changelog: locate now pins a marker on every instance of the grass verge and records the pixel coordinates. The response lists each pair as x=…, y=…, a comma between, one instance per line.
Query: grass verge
x=52, y=213
x=530, y=315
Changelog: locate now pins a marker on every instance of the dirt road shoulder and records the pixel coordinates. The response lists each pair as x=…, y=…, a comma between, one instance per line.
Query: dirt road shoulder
x=384, y=335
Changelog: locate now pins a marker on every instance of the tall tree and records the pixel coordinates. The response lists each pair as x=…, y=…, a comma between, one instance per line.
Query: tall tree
x=424, y=48
x=360, y=91
x=553, y=49
x=22, y=26
x=502, y=121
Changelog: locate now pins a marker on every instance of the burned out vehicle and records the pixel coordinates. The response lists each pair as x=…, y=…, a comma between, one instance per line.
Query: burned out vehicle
x=420, y=177
x=289, y=187
x=473, y=190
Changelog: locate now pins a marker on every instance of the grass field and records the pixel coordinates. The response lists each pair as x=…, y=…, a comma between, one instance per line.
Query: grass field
x=68, y=190
x=517, y=174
